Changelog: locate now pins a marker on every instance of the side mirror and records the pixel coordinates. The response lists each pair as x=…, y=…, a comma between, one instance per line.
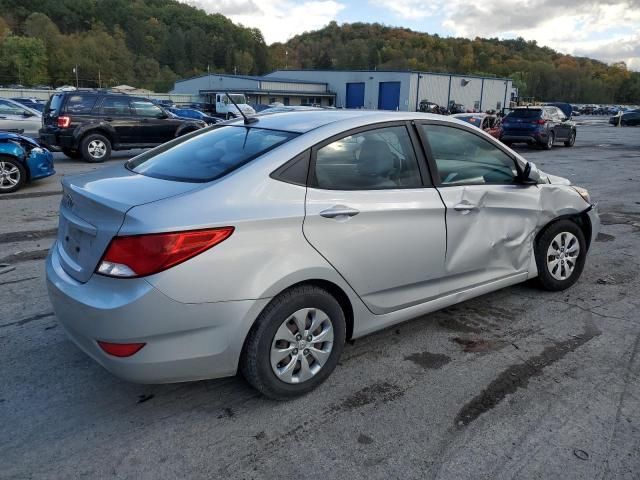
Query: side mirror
x=526, y=172
x=27, y=114
x=162, y=115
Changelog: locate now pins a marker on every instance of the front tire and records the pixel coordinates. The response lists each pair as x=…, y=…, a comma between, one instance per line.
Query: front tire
x=95, y=148
x=295, y=343
x=12, y=175
x=560, y=255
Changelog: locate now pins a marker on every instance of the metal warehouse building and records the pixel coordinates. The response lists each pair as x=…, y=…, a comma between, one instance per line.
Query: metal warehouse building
x=393, y=90
x=265, y=90
x=369, y=89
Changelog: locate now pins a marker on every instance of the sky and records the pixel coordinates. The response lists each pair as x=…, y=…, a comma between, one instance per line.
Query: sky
x=607, y=30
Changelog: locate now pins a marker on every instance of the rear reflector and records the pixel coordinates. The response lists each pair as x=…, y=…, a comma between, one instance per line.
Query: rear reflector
x=121, y=349
x=141, y=255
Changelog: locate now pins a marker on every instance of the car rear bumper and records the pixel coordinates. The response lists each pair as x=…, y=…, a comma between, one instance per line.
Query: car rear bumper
x=183, y=341
x=55, y=140
x=522, y=138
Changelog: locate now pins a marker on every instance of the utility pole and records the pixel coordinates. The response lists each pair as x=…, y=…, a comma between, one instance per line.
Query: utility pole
x=75, y=70
x=99, y=80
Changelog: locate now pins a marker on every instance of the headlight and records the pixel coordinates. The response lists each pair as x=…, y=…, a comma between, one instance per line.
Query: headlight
x=583, y=193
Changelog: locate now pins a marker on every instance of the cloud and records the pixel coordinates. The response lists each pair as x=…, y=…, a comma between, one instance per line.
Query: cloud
x=278, y=20
x=602, y=29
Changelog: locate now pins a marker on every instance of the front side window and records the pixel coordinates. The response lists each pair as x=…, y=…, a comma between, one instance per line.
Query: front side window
x=465, y=158
x=8, y=108
x=146, y=109
x=370, y=160
x=209, y=154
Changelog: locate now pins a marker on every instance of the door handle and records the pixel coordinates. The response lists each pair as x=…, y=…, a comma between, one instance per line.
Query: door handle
x=338, y=211
x=465, y=208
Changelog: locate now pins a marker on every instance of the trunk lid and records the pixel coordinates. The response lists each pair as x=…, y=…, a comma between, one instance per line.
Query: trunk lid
x=93, y=208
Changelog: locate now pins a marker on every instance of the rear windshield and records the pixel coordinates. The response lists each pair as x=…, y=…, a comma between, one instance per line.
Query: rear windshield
x=54, y=104
x=208, y=155
x=525, y=113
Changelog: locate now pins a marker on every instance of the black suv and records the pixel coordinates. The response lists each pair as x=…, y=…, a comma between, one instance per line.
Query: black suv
x=89, y=124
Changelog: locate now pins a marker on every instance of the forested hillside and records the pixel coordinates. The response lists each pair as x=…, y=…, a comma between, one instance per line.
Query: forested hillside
x=150, y=43
x=146, y=43
x=538, y=71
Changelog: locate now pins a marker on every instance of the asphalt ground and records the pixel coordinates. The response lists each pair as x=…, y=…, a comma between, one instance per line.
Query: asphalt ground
x=519, y=383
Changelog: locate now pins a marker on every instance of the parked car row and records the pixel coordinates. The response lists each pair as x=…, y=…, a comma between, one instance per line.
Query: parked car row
x=629, y=118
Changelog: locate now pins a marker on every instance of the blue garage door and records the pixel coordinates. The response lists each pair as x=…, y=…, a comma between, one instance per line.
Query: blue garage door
x=355, y=95
x=389, y=96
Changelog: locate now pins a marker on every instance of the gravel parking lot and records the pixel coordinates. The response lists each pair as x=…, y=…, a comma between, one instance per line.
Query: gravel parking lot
x=519, y=383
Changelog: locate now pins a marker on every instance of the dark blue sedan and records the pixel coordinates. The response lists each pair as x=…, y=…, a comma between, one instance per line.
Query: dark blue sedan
x=22, y=160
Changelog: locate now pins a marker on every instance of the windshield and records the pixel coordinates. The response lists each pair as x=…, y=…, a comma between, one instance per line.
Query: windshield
x=209, y=154
x=238, y=98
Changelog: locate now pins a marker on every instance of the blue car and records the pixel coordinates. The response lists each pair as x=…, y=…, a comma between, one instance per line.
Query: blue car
x=22, y=160
x=538, y=125
x=192, y=113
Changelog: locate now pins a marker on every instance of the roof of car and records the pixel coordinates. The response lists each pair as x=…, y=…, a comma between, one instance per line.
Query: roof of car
x=302, y=121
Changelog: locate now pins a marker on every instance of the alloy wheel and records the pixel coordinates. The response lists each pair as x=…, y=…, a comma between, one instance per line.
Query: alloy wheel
x=9, y=175
x=301, y=345
x=562, y=255
x=97, y=148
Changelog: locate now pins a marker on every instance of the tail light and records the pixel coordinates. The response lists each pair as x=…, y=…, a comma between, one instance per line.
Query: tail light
x=141, y=255
x=540, y=121
x=64, y=121
x=121, y=349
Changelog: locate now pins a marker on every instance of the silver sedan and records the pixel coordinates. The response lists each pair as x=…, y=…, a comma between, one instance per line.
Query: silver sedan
x=261, y=246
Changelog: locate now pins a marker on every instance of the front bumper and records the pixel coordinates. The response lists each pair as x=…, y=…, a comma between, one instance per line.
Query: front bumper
x=594, y=218
x=183, y=341
x=40, y=163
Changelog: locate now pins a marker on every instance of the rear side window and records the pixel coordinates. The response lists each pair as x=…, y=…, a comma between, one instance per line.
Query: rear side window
x=375, y=159
x=525, y=113
x=79, y=104
x=115, y=106
x=208, y=155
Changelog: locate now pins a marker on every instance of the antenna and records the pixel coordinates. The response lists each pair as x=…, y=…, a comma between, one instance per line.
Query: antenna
x=247, y=120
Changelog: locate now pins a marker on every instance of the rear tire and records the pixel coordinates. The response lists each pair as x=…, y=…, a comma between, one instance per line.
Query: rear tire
x=560, y=254
x=12, y=175
x=551, y=138
x=571, y=141
x=95, y=148
x=72, y=153
x=282, y=360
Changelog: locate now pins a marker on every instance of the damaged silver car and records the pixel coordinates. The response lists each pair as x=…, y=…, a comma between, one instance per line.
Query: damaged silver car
x=262, y=245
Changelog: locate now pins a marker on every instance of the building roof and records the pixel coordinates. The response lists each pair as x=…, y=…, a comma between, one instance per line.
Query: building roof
x=389, y=71
x=252, y=77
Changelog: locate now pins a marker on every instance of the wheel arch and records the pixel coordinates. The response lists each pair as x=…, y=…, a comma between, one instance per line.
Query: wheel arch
x=579, y=218
x=97, y=130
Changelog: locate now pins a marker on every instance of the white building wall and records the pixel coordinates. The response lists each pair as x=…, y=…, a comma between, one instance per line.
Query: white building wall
x=337, y=82
x=433, y=88
x=214, y=82
x=493, y=96
x=466, y=91
x=293, y=87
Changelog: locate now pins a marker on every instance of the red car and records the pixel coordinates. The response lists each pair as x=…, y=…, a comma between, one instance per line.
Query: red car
x=489, y=123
